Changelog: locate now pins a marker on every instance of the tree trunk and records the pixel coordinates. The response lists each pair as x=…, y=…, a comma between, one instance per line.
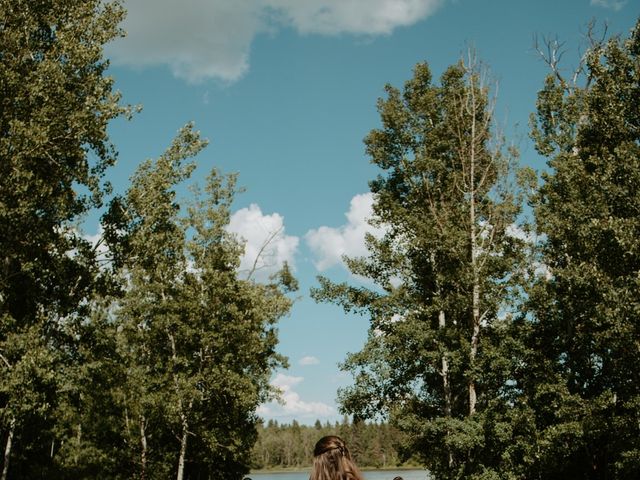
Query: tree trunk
x=7, y=449
x=183, y=448
x=78, y=443
x=183, y=413
x=473, y=234
x=475, y=326
x=446, y=386
x=143, y=445
x=475, y=316
x=474, y=348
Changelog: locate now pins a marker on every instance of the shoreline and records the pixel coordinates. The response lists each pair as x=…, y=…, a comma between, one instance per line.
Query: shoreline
x=308, y=468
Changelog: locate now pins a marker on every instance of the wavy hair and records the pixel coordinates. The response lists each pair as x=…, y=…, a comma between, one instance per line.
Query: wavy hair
x=332, y=461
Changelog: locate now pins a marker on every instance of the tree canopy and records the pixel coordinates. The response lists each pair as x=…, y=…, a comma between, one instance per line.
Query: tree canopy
x=584, y=357
x=446, y=268
x=54, y=149
x=505, y=350
x=142, y=356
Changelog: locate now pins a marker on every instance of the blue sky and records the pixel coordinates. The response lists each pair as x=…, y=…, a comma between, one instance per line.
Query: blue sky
x=286, y=90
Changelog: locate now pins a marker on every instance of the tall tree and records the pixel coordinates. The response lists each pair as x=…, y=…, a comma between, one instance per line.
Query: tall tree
x=444, y=270
x=198, y=341
x=54, y=148
x=584, y=381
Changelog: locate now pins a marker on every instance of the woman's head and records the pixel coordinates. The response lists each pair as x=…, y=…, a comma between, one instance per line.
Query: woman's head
x=332, y=461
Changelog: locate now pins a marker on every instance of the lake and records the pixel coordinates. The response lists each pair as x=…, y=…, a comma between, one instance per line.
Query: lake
x=368, y=474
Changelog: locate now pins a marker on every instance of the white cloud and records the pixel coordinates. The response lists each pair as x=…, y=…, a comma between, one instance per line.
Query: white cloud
x=197, y=39
x=330, y=244
x=205, y=39
x=615, y=5
x=292, y=406
x=308, y=360
x=267, y=247
x=368, y=17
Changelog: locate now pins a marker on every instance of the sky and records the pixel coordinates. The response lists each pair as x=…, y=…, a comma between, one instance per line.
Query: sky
x=285, y=90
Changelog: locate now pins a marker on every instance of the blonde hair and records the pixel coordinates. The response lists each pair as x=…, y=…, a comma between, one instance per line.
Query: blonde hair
x=332, y=461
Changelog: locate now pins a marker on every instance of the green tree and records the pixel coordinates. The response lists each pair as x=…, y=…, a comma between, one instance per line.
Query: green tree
x=436, y=359
x=89, y=440
x=584, y=380
x=376, y=443
x=54, y=148
x=198, y=342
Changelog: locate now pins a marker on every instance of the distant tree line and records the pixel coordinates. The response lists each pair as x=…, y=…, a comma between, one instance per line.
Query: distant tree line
x=499, y=347
x=373, y=445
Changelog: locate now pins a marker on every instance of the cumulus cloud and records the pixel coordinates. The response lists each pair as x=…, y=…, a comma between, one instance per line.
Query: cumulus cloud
x=211, y=39
x=308, y=360
x=292, y=406
x=267, y=246
x=330, y=244
x=614, y=5
x=368, y=17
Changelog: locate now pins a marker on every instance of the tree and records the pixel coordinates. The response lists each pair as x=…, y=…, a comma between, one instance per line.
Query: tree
x=291, y=445
x=54, y=148
x=436, y=358
x=584, y=382
x=198, y=342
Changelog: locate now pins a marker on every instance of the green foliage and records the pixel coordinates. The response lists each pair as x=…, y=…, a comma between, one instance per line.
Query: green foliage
x=54, y=149
x=438, y=358
x=373, y=445
x=584, y=384
x=197, y=343
x=148, y=365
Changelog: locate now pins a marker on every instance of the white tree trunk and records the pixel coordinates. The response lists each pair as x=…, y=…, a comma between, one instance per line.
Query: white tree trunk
x=474, y=347
x=78, y=443
x=183, y=448
x=473, y=237
x=446, y=386
x=143, y=445
x=7, y=449
x=183, y=413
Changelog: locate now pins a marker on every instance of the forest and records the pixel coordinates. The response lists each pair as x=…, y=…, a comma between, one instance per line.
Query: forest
x=501, y=345
x=290, y=446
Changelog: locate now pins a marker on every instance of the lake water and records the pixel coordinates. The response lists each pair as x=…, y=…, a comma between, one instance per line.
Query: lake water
x=368, y=475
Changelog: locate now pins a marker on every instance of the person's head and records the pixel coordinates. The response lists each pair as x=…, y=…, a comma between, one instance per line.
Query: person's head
x=397, y=478
x=332, y=461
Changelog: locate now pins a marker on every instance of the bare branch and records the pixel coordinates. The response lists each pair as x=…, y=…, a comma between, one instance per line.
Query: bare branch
x=551, y=52
x=6, y=362
x=263, y=247
x=483, y=317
